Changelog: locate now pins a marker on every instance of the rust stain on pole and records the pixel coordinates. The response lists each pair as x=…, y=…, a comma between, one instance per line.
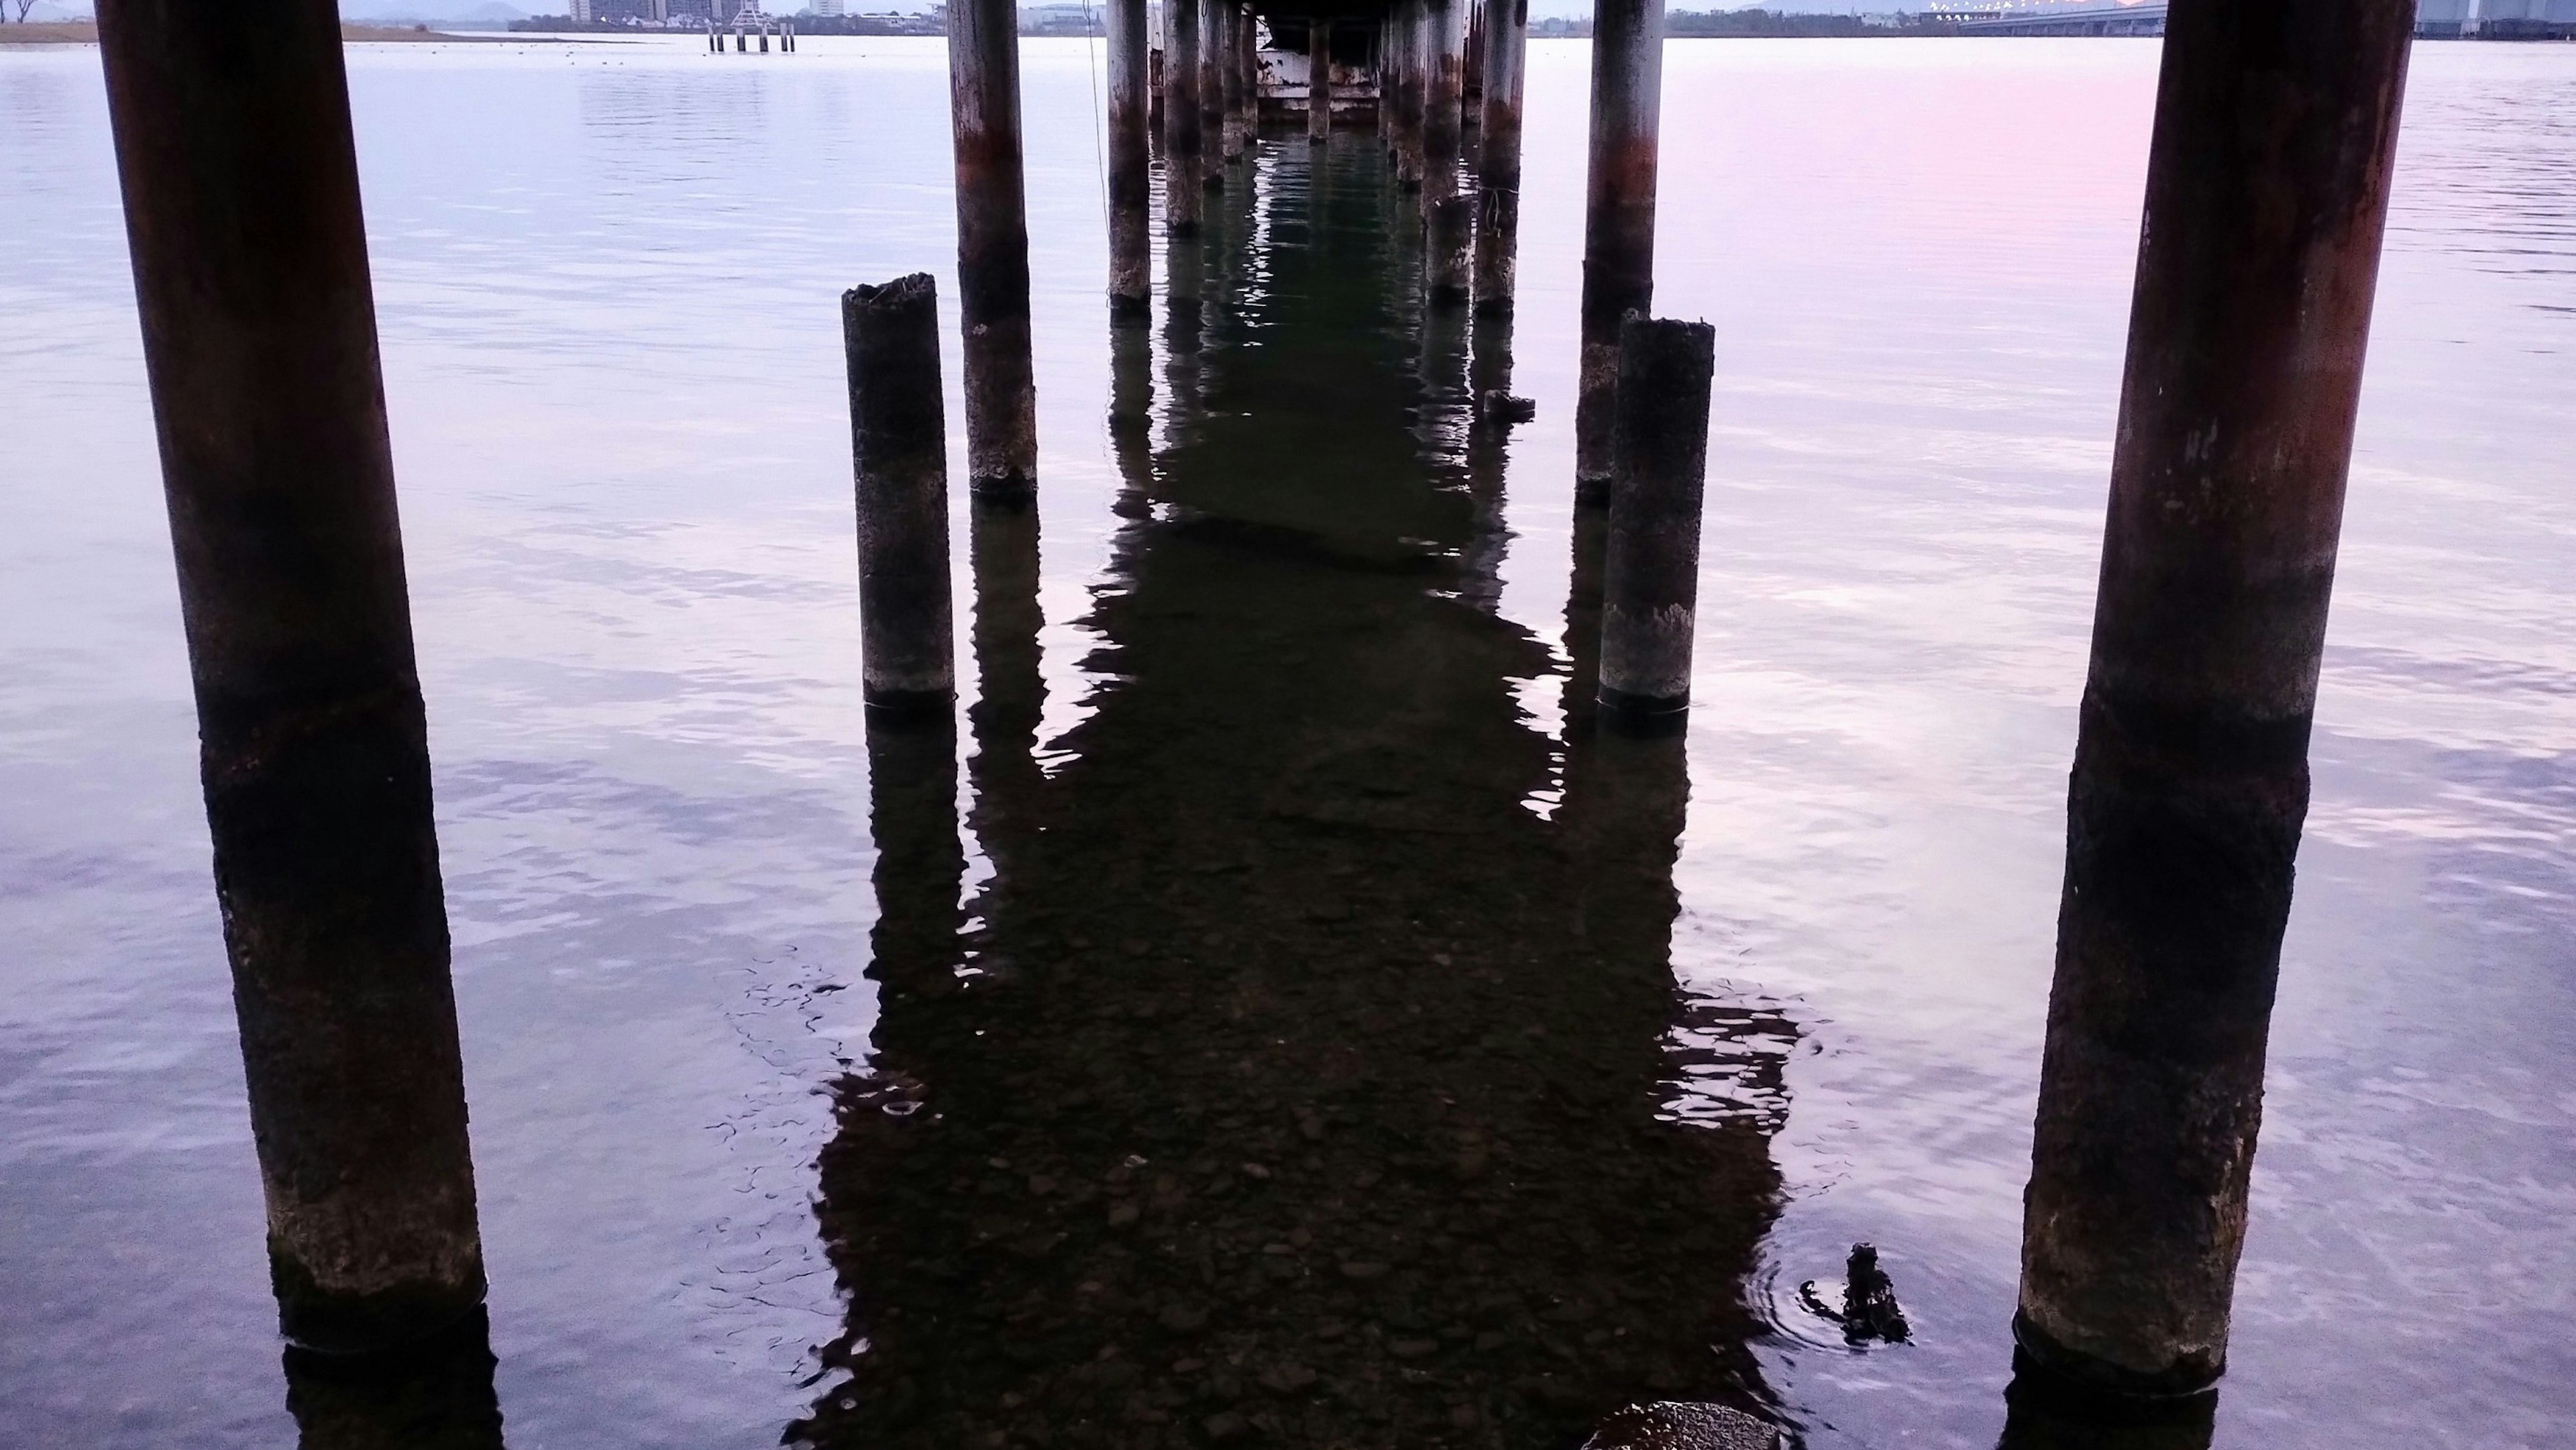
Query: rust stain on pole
x=992, y=247
x=1498, y=171
x=2267, y=194
x=1131, y=185
x=1619, y=217
x=250, y=268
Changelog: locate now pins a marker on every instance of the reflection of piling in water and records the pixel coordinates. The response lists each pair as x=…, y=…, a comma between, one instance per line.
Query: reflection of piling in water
x=1184, y=328
x=250, y=269
x=899, y=442
x=1319, y=81
x=1489, y=375
x=1181, y=138
x=1131, y=410
x=921, y=861
x=1498, y=155
x=1010, y=687
x=434, y=1394
x=1449, y=217
x=1619, y=217
x=992, y=247
x=2267, y=192
x=1650, y=588
x=2043, y=1412
x=1131, y=187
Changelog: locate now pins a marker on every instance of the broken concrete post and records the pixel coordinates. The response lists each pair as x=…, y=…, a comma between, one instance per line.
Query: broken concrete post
x=899, y=445
x=1650, y=590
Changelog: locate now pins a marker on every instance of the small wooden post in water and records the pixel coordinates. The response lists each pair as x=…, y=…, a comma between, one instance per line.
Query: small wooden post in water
x=1182, y=204
x=1450, y=217
x=1131, y=186
x=240, y=186
x=1319, y=81
x=1650, y=590
x=1619, y=218
x=2267, y=195
x=992, y=247
x=899, y=445
x=1498, y=179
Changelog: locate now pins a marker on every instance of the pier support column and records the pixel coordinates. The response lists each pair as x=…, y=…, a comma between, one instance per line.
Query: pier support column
x=1216, y=41
x=899, y=449
x=1412, y=83
x=2267, y=194
x=1231, y=92
x=1449, y=216
x=992, y=247
x=1182, y=204
x=1382, y=74
x=1131, y=186
x=259, y=341
x=1650, y=592
x=1319, y=81
x=1619, y=217
x=1498, y=158
x=1249, y=54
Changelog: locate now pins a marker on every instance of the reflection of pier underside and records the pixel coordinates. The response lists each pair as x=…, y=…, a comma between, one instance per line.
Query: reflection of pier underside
x=1298, y=1080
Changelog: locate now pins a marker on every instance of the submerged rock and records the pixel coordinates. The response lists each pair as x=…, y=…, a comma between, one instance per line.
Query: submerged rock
x=1674, y=1425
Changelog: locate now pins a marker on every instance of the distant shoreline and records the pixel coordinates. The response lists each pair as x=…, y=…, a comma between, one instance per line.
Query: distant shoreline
x=84, y=32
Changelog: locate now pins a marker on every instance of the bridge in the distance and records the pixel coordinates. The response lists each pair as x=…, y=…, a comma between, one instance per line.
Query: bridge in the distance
x=2105, y=19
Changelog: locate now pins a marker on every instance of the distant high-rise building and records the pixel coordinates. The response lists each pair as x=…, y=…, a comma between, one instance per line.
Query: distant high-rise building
x=827, y=7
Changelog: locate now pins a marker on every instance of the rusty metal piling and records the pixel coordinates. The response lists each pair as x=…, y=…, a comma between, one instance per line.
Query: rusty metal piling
x=1232, y=89
x=992, y=247
x=1319, y=81
x=1449, y=216
x=1182, y=204
x=1619, y=218
x=1498, y=156
x=1131, y=186
x=2267, y=196
x=240, y=184
x=1216, y=42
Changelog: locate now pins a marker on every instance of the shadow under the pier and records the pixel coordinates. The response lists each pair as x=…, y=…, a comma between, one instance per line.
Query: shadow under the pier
x=1305, y=1071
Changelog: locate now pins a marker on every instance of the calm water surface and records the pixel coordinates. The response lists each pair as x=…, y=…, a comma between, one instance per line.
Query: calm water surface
x=918, y=1111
